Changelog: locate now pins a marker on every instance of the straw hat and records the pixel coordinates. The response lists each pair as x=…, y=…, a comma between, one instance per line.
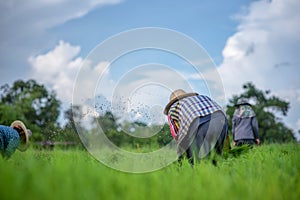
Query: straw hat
x=175, y=96
x=24, y=138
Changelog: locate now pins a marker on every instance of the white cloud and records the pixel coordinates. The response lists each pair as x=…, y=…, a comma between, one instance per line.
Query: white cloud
x=264, y=50
x=25, y=29
x=40, y=15
x=58, y=68
x=265, y=47
x=24, y=23
x=86, y=85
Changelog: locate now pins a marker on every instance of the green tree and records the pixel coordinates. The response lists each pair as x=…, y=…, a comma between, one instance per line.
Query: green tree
x=32, y=103
x=109, y=126
x=67, y=135
x=70, y=129
x=266, y=106
x=134, y=134
x=164, y=136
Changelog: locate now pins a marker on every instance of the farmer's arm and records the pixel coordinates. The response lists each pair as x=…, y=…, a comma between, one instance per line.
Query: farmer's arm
x=173, y=127
x=233, y=127
x=255, y=129
x=173, y=118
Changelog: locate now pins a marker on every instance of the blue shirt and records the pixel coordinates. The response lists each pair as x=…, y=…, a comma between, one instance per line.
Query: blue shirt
x=186, y=110
x=9, y=140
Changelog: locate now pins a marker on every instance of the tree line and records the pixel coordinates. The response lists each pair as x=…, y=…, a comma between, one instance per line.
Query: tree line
x=39, y=108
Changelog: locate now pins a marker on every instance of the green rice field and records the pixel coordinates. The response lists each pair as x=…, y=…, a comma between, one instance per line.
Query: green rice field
x=266, y=172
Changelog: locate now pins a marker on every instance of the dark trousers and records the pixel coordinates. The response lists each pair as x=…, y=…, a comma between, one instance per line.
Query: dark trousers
x=209, y=134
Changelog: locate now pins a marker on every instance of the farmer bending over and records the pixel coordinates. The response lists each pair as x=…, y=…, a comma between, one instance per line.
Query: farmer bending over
x=244, y=124
x=12, y=137
x=197, y=123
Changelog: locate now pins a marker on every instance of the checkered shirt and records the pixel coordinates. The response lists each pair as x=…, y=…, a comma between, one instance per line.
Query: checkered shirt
x=184, y=111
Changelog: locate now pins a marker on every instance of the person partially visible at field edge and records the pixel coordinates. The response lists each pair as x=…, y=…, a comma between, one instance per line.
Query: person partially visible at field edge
x=244, y=124
x=15, y=136
x=197, y=123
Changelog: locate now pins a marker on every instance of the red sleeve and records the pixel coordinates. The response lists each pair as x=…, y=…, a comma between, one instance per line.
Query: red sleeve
x=173, y=128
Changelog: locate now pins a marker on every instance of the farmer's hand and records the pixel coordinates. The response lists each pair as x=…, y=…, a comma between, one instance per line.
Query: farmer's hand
x=234, y=143
x=257, y=141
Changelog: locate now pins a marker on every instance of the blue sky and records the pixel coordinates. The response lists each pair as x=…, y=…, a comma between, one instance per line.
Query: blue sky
x=205, y=21
x=255, y=41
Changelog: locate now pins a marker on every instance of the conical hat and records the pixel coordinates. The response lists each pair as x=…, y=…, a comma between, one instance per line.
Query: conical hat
x=242, y=101
x=24, y=140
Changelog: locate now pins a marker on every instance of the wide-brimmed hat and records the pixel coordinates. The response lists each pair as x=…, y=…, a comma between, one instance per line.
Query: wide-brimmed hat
x=175, y=96
x=24, y=139
x=242, y=101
